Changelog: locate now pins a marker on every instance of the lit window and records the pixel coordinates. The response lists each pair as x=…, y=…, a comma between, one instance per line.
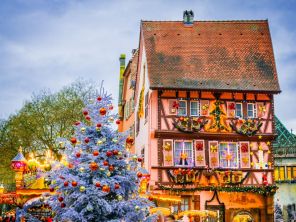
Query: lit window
x=276, y=173
x=289, y=173
x=194, y=108
x=185, y=203
x=183, y=153
x=281, y=173
x=228, y=155
x=182, y=110
x=238, y=110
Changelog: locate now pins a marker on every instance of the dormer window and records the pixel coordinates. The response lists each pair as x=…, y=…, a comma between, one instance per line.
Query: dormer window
x=188, y=17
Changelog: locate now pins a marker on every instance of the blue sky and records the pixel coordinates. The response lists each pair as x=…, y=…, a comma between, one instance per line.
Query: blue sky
x=46, y=44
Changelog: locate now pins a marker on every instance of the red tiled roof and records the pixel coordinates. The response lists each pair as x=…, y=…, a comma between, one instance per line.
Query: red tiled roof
x=210, y=55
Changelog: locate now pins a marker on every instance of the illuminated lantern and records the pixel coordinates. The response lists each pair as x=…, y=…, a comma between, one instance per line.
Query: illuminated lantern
x=18, y=164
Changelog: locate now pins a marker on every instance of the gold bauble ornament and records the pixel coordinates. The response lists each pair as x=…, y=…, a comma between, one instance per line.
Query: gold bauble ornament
x=81, y=169
x=82, y=188
x=82, y=129
x=102, y=169
x=135, y=157
x=61, y=144
x=119, y=153
x=114, y=140
x=137, y=208
x=111, y=119
x=98, y=129
x=100, y=142
x=108, y=174
x=119, y=197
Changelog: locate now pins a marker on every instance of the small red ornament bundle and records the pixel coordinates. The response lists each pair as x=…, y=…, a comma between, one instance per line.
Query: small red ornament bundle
x=93, y=166
x=74, y=183
x=199, y=146
x=103, y=111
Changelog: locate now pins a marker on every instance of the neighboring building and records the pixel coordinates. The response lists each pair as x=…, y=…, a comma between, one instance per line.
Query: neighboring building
x=126, y=96
x=204, y=115
x=285, y=170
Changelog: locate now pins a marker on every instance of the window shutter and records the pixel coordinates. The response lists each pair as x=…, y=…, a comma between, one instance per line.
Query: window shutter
x=260, y=109
x=244, y=148
x=172, y=110
x=213, y=154
x=230, y=109
x=167, y=148
x=199, y=148
x=204, y=107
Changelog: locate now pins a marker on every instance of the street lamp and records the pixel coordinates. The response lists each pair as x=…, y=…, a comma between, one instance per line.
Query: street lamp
x=18, y=164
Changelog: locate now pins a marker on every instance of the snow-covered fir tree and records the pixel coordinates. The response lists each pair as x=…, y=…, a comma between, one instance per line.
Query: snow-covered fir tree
x=278, y=213
x=98, y=180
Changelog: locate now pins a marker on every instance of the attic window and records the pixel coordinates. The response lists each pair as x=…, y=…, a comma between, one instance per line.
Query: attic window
x=241, y=34
x=154, y=34
x=220, y=33
x=178, y=34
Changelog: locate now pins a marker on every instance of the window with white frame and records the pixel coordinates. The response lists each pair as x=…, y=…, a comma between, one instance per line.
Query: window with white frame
x=184, y=203
x=239, y=110
x=251, y=110
x=194, y=108
x=228, y=155
x=183, y=153
x=182, y=110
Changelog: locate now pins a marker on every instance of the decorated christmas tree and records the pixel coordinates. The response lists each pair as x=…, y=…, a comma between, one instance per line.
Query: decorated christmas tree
x=97, y=179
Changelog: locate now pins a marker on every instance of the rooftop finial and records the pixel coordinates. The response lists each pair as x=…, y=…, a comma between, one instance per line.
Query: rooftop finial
x=188, y=17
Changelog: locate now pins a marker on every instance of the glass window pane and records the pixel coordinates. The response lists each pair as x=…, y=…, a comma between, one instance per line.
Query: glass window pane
x=194, y=108
x=189, y=153
x=250, y=110
x=276, y=173
x=232, y=155
x=294, y=172
x=223, y=153
x=182, y=108
x=282, y=173
x=289, y=173
x=238, y=109
x=177, y=154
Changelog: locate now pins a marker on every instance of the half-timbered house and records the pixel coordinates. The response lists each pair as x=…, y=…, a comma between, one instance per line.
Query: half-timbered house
x=204, y=115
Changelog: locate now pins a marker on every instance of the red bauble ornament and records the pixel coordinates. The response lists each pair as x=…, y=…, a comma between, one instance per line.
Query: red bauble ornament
x=98, y=184
x=117, y=186
x=106, y=163
x=109, y=153
x=85, y=112
x=181, y=118
x=140, y=159
x=118, y=122
x=99, y=98
x=103, y=111
x=70, y=166
x=74, y=183
x=96, y=153
x=78, y=155
x=66, y=183
x=115, y=152
x=77, y=123
x=150, y=198
x=111, y=168
x=110, y=107
x=130, y=140
x=99, y=125
x=93, y=166
x=61, y=199
x=51, y=189
x=73, y=140
x=88, y=118
x=86, y=140
x=139, y=174
x=63, y=205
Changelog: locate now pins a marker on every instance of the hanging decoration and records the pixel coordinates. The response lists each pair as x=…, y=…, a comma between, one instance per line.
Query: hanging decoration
x=190, y=125
x=218, y=118
x=167, y=152
x=246, y=127
x=183, y=176
x=231, y=177
x=267, y=190
x=213, y=154
x=199, y=153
